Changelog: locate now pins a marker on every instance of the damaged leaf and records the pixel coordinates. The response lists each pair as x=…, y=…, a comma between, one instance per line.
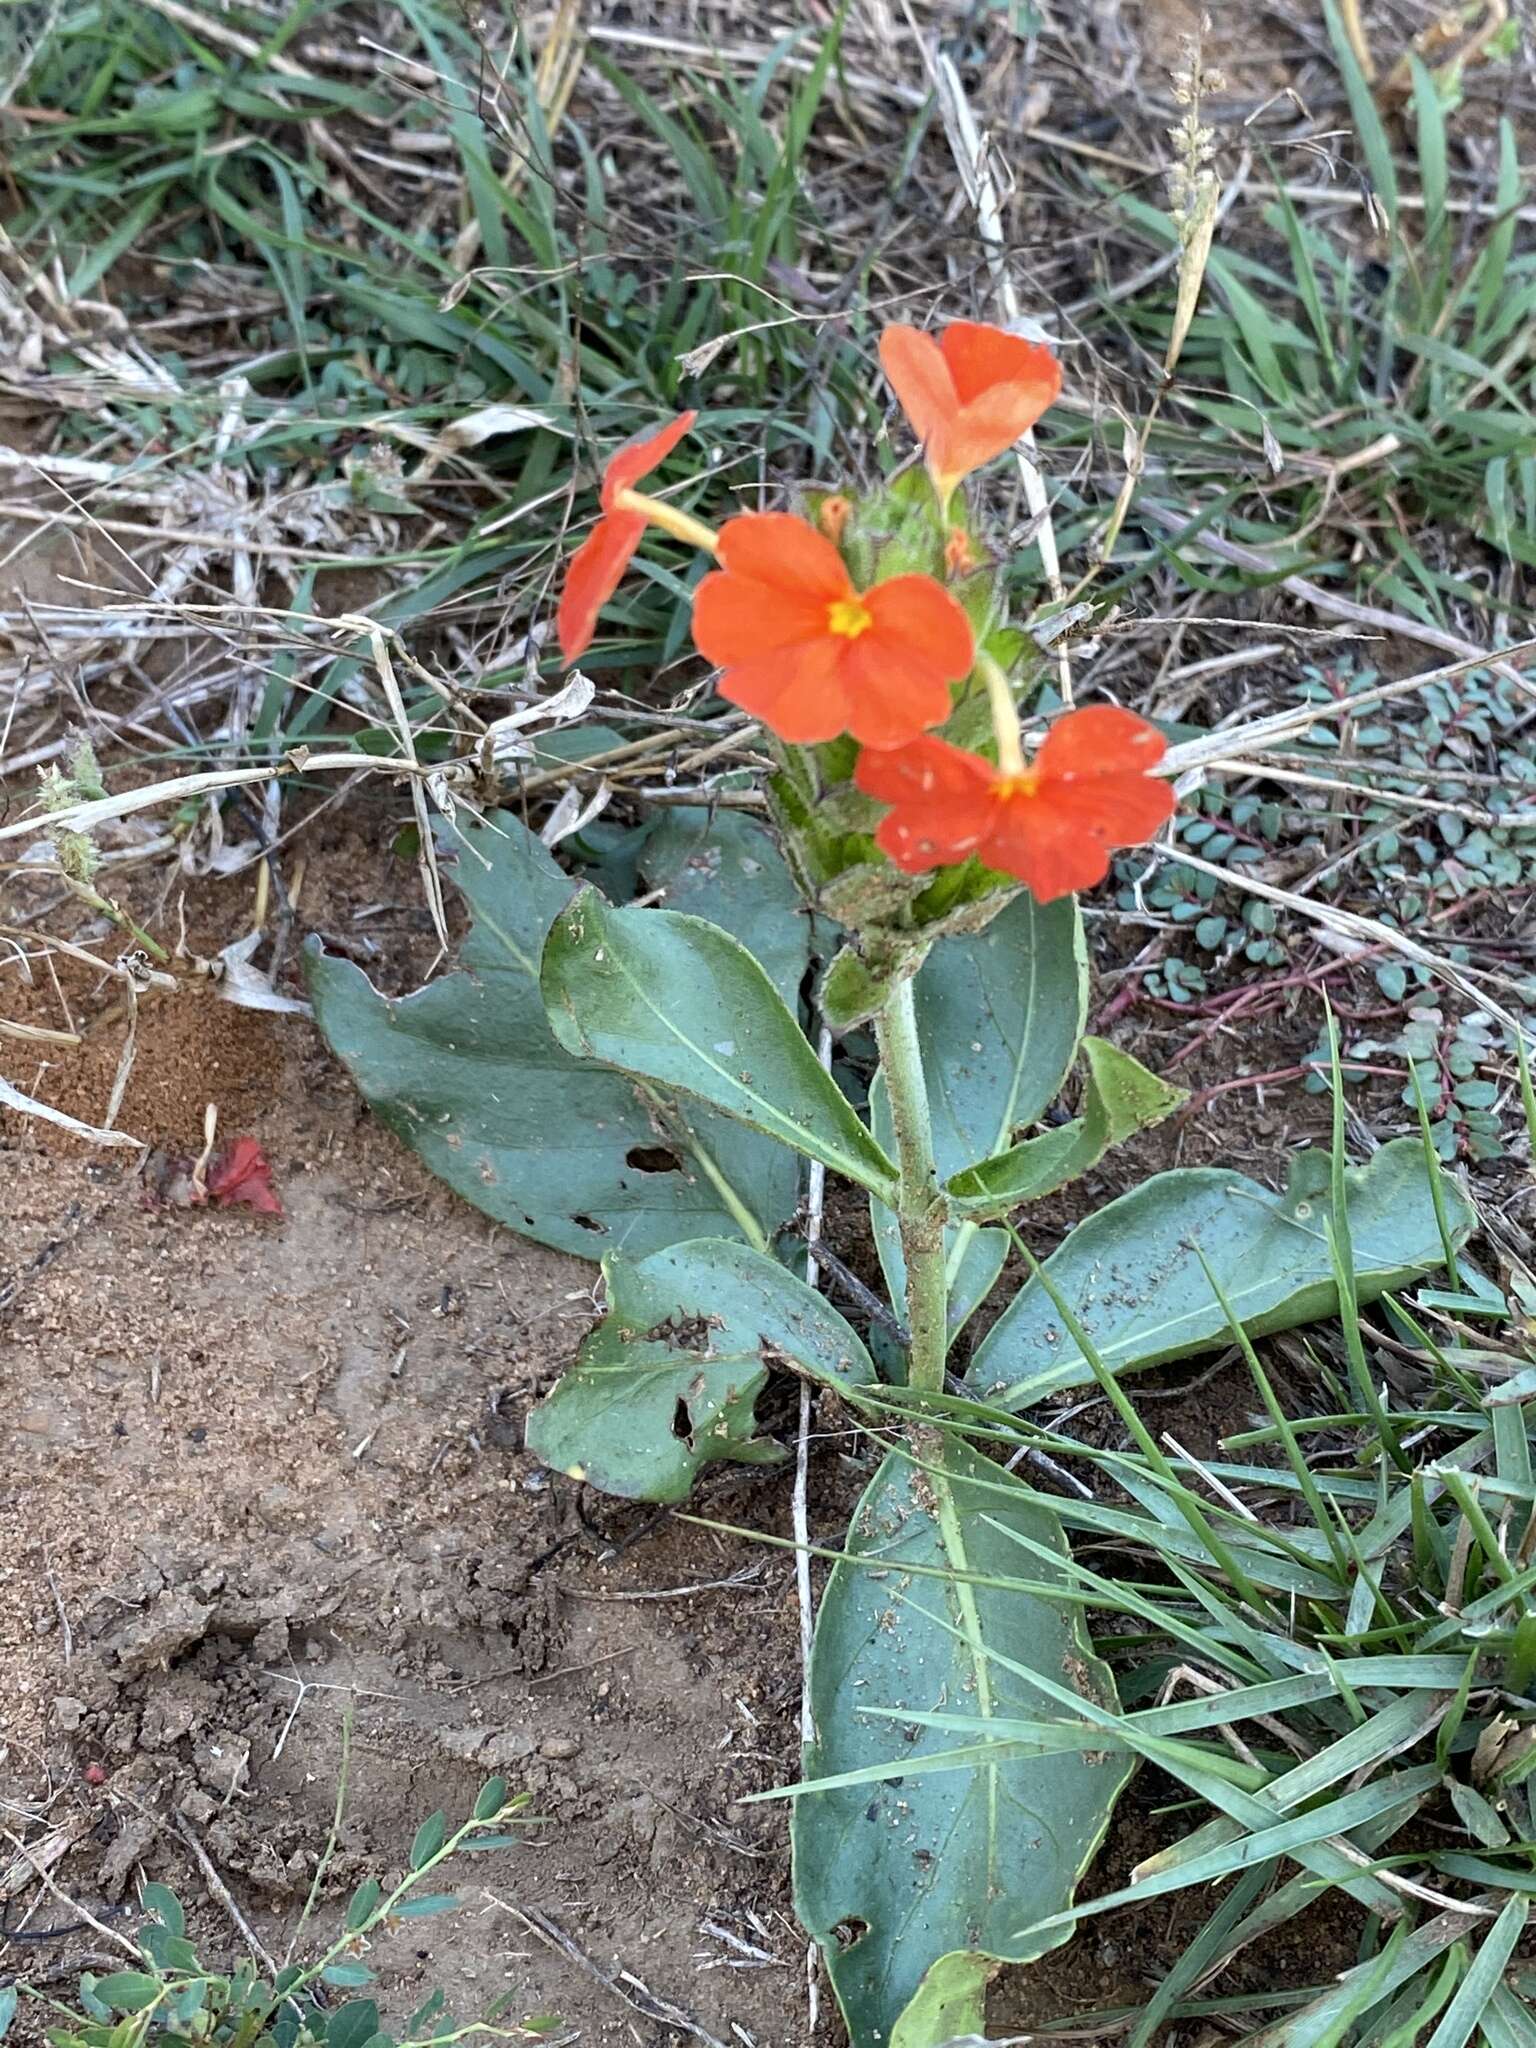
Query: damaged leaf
x=563, y=1150
x=668, y=1380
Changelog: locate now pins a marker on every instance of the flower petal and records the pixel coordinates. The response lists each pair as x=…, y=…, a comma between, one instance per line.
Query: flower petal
x=915, y=613
x=593, y=575
x=1101, y=739
x=786, y=553
x=795, y=691
x=916, y=370
x=1117, y=810
x=1044, y=848
x=929, y=771
x=979, y=357
x=893, y=694
x=936, y=837
x=737, y=618
x=640, y=455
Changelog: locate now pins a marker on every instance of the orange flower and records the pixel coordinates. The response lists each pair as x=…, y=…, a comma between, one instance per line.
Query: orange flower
x=811, y=656
x=1053, y=826
x=968, y=395
x=598, y=565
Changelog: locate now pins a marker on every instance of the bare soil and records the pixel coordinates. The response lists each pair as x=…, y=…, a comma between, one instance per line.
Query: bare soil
x=260, y=1476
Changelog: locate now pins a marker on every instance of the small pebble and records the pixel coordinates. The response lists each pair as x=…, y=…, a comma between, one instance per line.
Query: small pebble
x=559, y=1747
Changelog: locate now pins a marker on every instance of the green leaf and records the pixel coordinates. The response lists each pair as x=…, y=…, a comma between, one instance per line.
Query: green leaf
x=425, y=1907
x=1375, y=144
x=951, y=2000
x=894, y=1878
x=8, y=2004
x=467, y=1073
x=428, y=1840
x=676, y=1000
x=127, y=1990
x=160, y=1900
x=852, y=991
x=720, y=865
x=347, y=1976
x=1132, y=1274
x=1120, y=1097
x=492, y=1798
x=668, y=1380
x=362, y=1903
x=999, y=1015
x=352, y=2025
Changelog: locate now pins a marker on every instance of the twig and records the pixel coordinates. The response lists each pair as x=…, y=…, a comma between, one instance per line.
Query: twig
x=222, y=1893
x=1329, y=601
x=66, y=1633
x=82, y=1912
x=622, y=1983
x=747, y=1576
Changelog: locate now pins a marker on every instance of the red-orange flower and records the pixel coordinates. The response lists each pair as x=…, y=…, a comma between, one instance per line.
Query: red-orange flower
x=598, y=565
x=968, y=395
x=812, y=657
x=1086, y=792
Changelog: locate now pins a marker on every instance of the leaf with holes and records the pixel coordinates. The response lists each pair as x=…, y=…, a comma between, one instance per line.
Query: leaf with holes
x=468, y=1074
x=1132, y=1273
x=911, y=1883
x=676, y=1001
x=669, y=1378
x=999, y=1015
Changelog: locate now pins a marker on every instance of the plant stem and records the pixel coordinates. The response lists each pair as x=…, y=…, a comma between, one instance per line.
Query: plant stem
x=919, y=1206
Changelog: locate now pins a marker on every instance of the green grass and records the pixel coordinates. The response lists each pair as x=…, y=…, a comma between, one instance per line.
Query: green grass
x=1358, y=393
x=404, y=242
x=1354, y=1591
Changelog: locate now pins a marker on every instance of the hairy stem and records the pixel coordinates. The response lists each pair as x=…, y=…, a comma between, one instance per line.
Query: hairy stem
x=919, y=1205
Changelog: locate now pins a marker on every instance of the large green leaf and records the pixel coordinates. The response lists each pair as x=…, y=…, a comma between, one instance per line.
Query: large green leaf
x=668, y=1379
x=720, y=865
x=467, y=1073
x=677, y=1001
x=1132, y=1273
x=1120, y=1097
x=894, y=1878
x=999, y=1015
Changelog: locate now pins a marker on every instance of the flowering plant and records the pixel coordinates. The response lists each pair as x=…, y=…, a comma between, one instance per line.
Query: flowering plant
x=602, y=1070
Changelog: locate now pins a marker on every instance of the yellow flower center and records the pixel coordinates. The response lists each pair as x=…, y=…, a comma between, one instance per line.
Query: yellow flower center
x=849, y=617
x=1007, y=787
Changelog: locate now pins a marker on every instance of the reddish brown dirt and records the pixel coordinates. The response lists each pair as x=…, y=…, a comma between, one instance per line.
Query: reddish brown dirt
x=262, y=1475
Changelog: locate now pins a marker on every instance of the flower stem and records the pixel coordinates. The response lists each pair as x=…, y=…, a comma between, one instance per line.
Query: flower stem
x=920, y=1207
x=1005, y=717
x=681, y=525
